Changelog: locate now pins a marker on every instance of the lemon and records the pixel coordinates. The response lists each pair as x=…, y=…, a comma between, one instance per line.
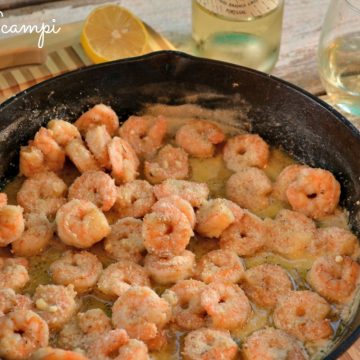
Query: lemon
x=111, y=32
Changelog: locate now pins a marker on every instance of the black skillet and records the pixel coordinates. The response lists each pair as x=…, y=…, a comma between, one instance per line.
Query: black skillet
x=286, y=116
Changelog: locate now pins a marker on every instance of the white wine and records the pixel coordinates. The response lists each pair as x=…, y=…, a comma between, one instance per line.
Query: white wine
x=245, y=32
x=340, y=71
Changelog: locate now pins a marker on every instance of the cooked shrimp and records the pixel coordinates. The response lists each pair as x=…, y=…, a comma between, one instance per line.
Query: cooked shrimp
x=220, y=266
x=94, y=321
x=265, y=283
x=125, y=241
x=22, y=332
x=172, y=269
x=54, y=155
x=290, y=234
x=82, y=158
x=81, y=224
x=141, y=312
x=36, y=236
x=314, y=193
x=100, y=114
x=169, y=163
x=95, y=186
x=245, y=236
x=10, y=301
x=199, y=138
x=134, y=199
x=123, y=160
x=12, y=224
x=83, y=329
x=185, y=297
x=209, y=344
x=13, y=273
x=81, y=269
x=144, y=133
x=183, y=205
x=3, y=199
x=226, y=304
x=195, y=193
x=335, y=241
x=273, y=344
x=215, y=216
x=42, y=193
x=55, y=304
x=246, y=150
x=134, y=350
x=166, y=232
x=63, y=131
x=49, y=353
x=32, y=161
x=117, y=278
x=107, y=346
x=303, y=314
x=335, y=278
x=250, y=188
x=287, y=176
x=97, y=139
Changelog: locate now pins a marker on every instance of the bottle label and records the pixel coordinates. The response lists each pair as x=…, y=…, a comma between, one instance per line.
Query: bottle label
x=239, y=9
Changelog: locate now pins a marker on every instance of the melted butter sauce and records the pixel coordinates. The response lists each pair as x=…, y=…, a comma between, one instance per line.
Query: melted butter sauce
x=213, y=172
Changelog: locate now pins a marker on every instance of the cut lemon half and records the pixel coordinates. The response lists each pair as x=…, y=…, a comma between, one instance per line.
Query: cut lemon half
x=111, y=32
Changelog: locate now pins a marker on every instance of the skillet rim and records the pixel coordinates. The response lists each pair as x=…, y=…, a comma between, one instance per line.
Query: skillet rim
x=336, y=116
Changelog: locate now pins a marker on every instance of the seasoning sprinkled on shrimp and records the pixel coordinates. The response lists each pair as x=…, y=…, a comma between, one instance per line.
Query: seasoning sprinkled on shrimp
x=273, y=344
x=265, y=283
x=169, y=163
x=55, y=304
x=246, y=150
x=206, y=344
x=195, y=193
x=81, y=269
x=22, y=332
x=95, y=186
x=314, y=193
x=335, y=277
x=82, y=158
x=125, y=241
x=144, y=133
x=172, y=269
x=304, y=315
x=134, y=199
x=118, y=278
x=81, y=224
x=215, y=216
x=42, y=193
x=97, y=139
x=199, y=137
x=13, y=273
x=246, y=236
x=166, y=232
x=10, y=301
x=142, y=313
x=250, y=188
x=36, y=236
x=100, y=114
x=123, y=159
x=62, y=131
x=220, y=266
x=12, y=224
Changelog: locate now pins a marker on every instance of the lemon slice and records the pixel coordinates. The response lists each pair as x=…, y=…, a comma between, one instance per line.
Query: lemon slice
x=111, y=32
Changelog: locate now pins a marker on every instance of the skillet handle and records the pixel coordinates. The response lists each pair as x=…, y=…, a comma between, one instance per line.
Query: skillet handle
x=21, y=56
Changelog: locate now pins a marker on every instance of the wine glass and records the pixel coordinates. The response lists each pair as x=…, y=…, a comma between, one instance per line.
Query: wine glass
x=339, y=54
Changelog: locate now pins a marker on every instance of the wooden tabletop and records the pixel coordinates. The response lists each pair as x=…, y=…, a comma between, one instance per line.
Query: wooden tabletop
x=172, y=18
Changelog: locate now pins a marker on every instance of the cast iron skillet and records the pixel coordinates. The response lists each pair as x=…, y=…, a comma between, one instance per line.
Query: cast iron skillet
x=283, y=114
